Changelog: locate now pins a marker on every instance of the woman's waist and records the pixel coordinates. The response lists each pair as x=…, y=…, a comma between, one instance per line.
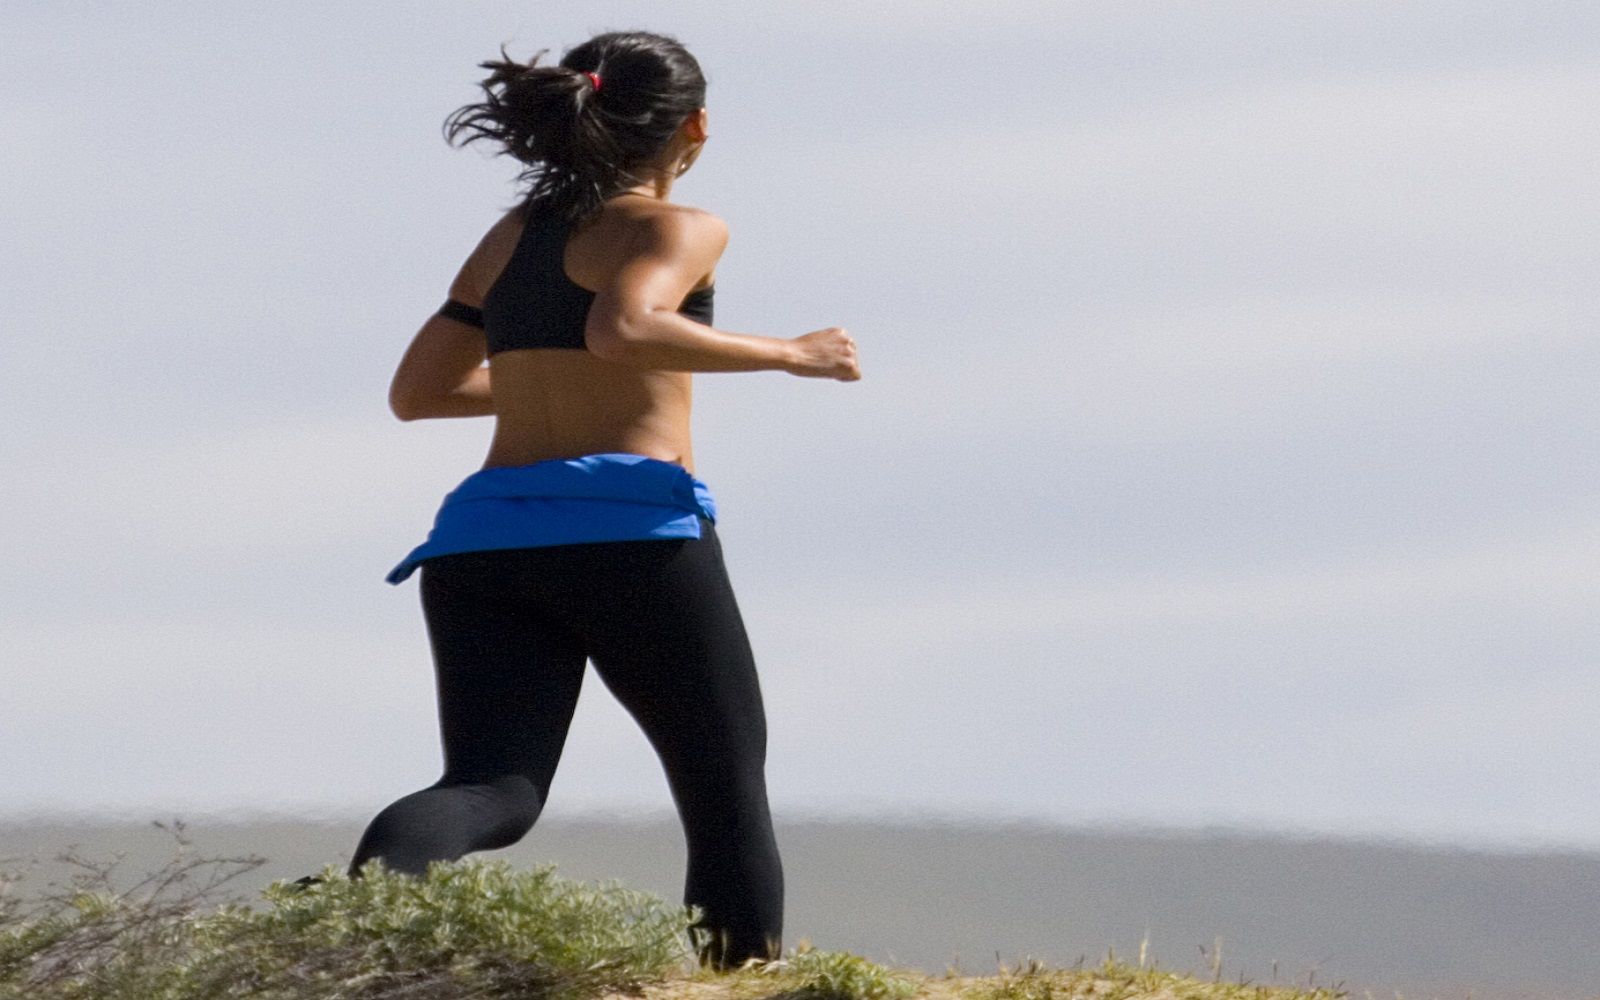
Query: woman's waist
x=600, y=497
x=604, y=477
x=512, y=449
x=505, y=453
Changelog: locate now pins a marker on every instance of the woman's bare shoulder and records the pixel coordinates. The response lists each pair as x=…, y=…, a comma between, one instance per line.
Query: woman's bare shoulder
x=660, y=215
x=682, y=230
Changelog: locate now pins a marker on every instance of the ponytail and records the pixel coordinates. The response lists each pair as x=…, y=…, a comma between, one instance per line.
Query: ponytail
x=578, y=143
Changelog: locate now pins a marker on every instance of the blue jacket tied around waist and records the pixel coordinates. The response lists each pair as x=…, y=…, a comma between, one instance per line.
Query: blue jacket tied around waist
x=605, y=497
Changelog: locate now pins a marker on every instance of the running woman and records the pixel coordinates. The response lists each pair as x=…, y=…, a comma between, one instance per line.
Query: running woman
x=586, y=536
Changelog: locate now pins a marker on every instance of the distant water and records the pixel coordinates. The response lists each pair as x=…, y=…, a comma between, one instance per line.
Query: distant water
x=1380, y=919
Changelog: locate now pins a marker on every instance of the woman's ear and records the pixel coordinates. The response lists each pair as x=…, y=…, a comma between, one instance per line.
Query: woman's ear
x=695, y=125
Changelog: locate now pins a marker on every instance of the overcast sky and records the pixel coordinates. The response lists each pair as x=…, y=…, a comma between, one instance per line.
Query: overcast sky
x=1225, y=449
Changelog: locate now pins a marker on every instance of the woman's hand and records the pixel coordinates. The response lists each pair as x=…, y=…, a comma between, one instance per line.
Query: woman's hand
x=828, y=353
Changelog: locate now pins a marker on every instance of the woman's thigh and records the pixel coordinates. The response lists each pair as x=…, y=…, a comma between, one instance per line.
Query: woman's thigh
x=508, y=668
x=666, y=636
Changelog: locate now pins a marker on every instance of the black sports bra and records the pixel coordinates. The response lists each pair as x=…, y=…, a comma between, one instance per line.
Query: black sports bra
x=533, y=304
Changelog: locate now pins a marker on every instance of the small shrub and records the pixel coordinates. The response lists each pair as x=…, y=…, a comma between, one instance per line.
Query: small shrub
x=472, y=928
x=471, y=922
x=835, y=975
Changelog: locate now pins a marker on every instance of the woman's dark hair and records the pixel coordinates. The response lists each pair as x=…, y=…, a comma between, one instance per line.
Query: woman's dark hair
x=579, y=143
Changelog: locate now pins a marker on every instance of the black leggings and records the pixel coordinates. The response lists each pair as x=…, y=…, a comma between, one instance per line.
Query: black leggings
x=511, y=631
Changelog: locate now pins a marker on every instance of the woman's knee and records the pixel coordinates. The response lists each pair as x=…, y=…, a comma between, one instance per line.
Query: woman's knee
x=506, y=806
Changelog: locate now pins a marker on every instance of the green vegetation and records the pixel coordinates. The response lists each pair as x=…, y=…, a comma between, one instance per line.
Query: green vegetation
x=1115, y=980
x=473, y=929
x=808, y=973
x=476, y=928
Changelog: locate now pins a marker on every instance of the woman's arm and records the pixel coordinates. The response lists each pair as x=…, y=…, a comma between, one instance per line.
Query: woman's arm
x=634, y=317
x=442, y=373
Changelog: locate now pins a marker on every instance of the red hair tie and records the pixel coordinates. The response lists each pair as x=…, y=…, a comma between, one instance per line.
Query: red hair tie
x=594, y=78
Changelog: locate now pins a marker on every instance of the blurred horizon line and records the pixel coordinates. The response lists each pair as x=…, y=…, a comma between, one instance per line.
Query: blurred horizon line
x=928, y=820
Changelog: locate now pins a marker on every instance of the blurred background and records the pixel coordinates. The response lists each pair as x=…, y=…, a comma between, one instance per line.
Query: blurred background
x=1223, y=462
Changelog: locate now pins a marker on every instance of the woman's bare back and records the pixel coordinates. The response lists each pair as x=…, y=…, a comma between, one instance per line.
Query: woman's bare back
x=559, y=403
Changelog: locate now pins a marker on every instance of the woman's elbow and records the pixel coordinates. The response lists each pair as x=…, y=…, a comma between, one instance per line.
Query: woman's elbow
x=614, y=340
x=405, y=404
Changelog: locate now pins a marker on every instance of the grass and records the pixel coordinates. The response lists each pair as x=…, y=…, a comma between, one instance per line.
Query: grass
x=470, y=930
x=805, y=974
